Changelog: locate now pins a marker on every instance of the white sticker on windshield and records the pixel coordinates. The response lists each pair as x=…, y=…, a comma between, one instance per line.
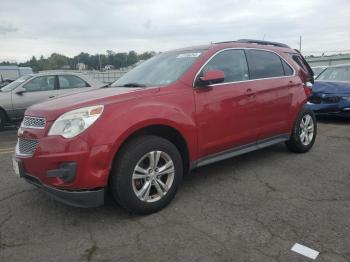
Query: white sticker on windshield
x=187, y=55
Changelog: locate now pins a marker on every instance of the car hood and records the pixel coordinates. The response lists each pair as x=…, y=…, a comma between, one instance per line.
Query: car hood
x=331, y=87
x=51, y=109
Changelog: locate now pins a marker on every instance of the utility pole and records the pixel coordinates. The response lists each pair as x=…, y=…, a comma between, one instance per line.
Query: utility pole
x=300, y=44
x=99, y=60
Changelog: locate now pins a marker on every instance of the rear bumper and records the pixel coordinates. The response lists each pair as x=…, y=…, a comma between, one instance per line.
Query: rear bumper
x=76, y=198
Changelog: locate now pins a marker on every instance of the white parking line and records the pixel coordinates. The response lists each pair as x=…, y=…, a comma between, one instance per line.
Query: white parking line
x=6, y=149
x=305, y=251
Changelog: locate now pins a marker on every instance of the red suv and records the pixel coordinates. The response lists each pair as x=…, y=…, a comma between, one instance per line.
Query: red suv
x=176, y=111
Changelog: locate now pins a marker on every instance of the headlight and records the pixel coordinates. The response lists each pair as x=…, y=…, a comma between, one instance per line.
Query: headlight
x=346, y=97
x=73, y=123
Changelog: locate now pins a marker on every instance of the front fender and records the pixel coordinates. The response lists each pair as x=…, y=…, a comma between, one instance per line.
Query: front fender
x=175, y=110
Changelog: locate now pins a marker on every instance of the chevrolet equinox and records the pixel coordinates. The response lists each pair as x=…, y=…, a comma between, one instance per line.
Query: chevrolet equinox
x=177, y=111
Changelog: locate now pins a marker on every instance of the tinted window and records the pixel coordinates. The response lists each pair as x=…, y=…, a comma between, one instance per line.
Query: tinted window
x=288, y=71
x=299, y=61
x=263, y=64
x=70, y=81
x=232, y=62
x=41, y=83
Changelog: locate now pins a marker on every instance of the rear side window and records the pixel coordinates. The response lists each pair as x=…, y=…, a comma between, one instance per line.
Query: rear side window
x=299, y=61
x=264, y=64
x=232, y=62
x=70, y=81
x=303, y=64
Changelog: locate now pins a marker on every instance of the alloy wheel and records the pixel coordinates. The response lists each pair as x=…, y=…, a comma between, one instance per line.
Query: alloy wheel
x=153, y=176
x=306, y=130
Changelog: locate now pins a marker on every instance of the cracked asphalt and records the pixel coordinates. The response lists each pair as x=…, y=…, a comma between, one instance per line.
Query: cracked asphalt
x=250, y=208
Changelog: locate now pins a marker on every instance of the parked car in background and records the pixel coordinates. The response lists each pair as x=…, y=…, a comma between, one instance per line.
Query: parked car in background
x=177, y=111
x=318, y=70
x=11, y=73
x=34, y=88
x=5, y=83
x=331, y=92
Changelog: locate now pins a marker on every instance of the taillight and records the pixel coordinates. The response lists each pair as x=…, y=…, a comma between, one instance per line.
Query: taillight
x=308, y=88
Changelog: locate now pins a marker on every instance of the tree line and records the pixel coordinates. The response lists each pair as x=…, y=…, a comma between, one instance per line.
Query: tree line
x=91, y=62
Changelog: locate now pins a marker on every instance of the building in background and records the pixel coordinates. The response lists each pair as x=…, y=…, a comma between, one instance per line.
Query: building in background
x=11, y=73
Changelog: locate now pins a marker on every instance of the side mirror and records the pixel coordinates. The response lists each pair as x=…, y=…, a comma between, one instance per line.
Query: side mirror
x=20, y=90
x=212, y=77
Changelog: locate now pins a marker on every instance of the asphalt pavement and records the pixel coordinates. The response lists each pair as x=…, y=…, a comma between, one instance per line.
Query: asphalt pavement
x=254, y=207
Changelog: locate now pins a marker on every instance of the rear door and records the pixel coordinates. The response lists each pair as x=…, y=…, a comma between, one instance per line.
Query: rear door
x=226, y=112
x=273, y=83
x=70, y=84
x=37, y=90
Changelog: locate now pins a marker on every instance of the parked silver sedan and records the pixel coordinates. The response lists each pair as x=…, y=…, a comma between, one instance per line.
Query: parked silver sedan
x=31, y=89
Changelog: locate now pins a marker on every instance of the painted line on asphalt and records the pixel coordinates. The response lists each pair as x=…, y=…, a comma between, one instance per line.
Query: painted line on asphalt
x=6, y=152
x=6, y=149
x=305, y=251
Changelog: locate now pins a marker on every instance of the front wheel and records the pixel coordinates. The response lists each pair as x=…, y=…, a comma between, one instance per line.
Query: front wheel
x=304, y=132
x=146, y=174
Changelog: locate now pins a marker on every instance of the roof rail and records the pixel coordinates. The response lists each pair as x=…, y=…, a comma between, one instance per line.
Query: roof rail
x=262, y=42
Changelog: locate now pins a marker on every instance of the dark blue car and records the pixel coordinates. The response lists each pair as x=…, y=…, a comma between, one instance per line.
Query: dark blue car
x=331, y=92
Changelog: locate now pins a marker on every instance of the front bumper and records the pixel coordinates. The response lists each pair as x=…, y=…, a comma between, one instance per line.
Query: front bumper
x=342, y=108
x=77, y=198
x=83, y=198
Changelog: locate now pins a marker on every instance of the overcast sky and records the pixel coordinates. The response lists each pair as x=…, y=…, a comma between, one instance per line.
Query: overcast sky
x=40, y=27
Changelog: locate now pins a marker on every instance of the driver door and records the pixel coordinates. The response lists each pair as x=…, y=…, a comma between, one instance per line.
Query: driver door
x=226, y=112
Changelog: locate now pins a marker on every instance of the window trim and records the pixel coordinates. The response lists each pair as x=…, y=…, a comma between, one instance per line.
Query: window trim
x=242, y=81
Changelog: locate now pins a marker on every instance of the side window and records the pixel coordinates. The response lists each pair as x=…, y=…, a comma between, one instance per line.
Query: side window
x=41, y=83
x=70, y=81
x=299, y=61
x=288, y=71
x=264, y=64
x=232, y=62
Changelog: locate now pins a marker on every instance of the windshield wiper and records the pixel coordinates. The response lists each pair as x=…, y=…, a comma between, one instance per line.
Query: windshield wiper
x=134, y=85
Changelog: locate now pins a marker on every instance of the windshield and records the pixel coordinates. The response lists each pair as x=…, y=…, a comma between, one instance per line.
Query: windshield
x=335, y=74
x=318, y=70
x=15, y=83
x=160, y=70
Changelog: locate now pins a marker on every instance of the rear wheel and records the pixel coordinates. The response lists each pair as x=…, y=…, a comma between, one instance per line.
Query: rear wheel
x=304, y=132
x=2, y=120
x=146, y=174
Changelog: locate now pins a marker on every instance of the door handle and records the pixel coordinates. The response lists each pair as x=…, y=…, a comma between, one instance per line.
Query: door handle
x=291, y=84
x=51, y=96
x=250, y=92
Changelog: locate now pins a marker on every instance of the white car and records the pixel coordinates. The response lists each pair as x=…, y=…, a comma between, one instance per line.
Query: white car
x=34, y=88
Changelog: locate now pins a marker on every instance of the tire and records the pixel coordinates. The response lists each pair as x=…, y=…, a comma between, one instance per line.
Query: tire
x=305, y=124
x=2, y=120
x=127, y=184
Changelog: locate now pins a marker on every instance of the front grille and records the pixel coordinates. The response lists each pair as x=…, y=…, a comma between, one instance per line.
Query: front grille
x=331, y=100
x=324, y=100
x=315, y=99
x=27, y=146
x=33, y=122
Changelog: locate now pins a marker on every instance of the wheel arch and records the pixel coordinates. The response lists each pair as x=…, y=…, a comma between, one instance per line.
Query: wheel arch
x=165, y=131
